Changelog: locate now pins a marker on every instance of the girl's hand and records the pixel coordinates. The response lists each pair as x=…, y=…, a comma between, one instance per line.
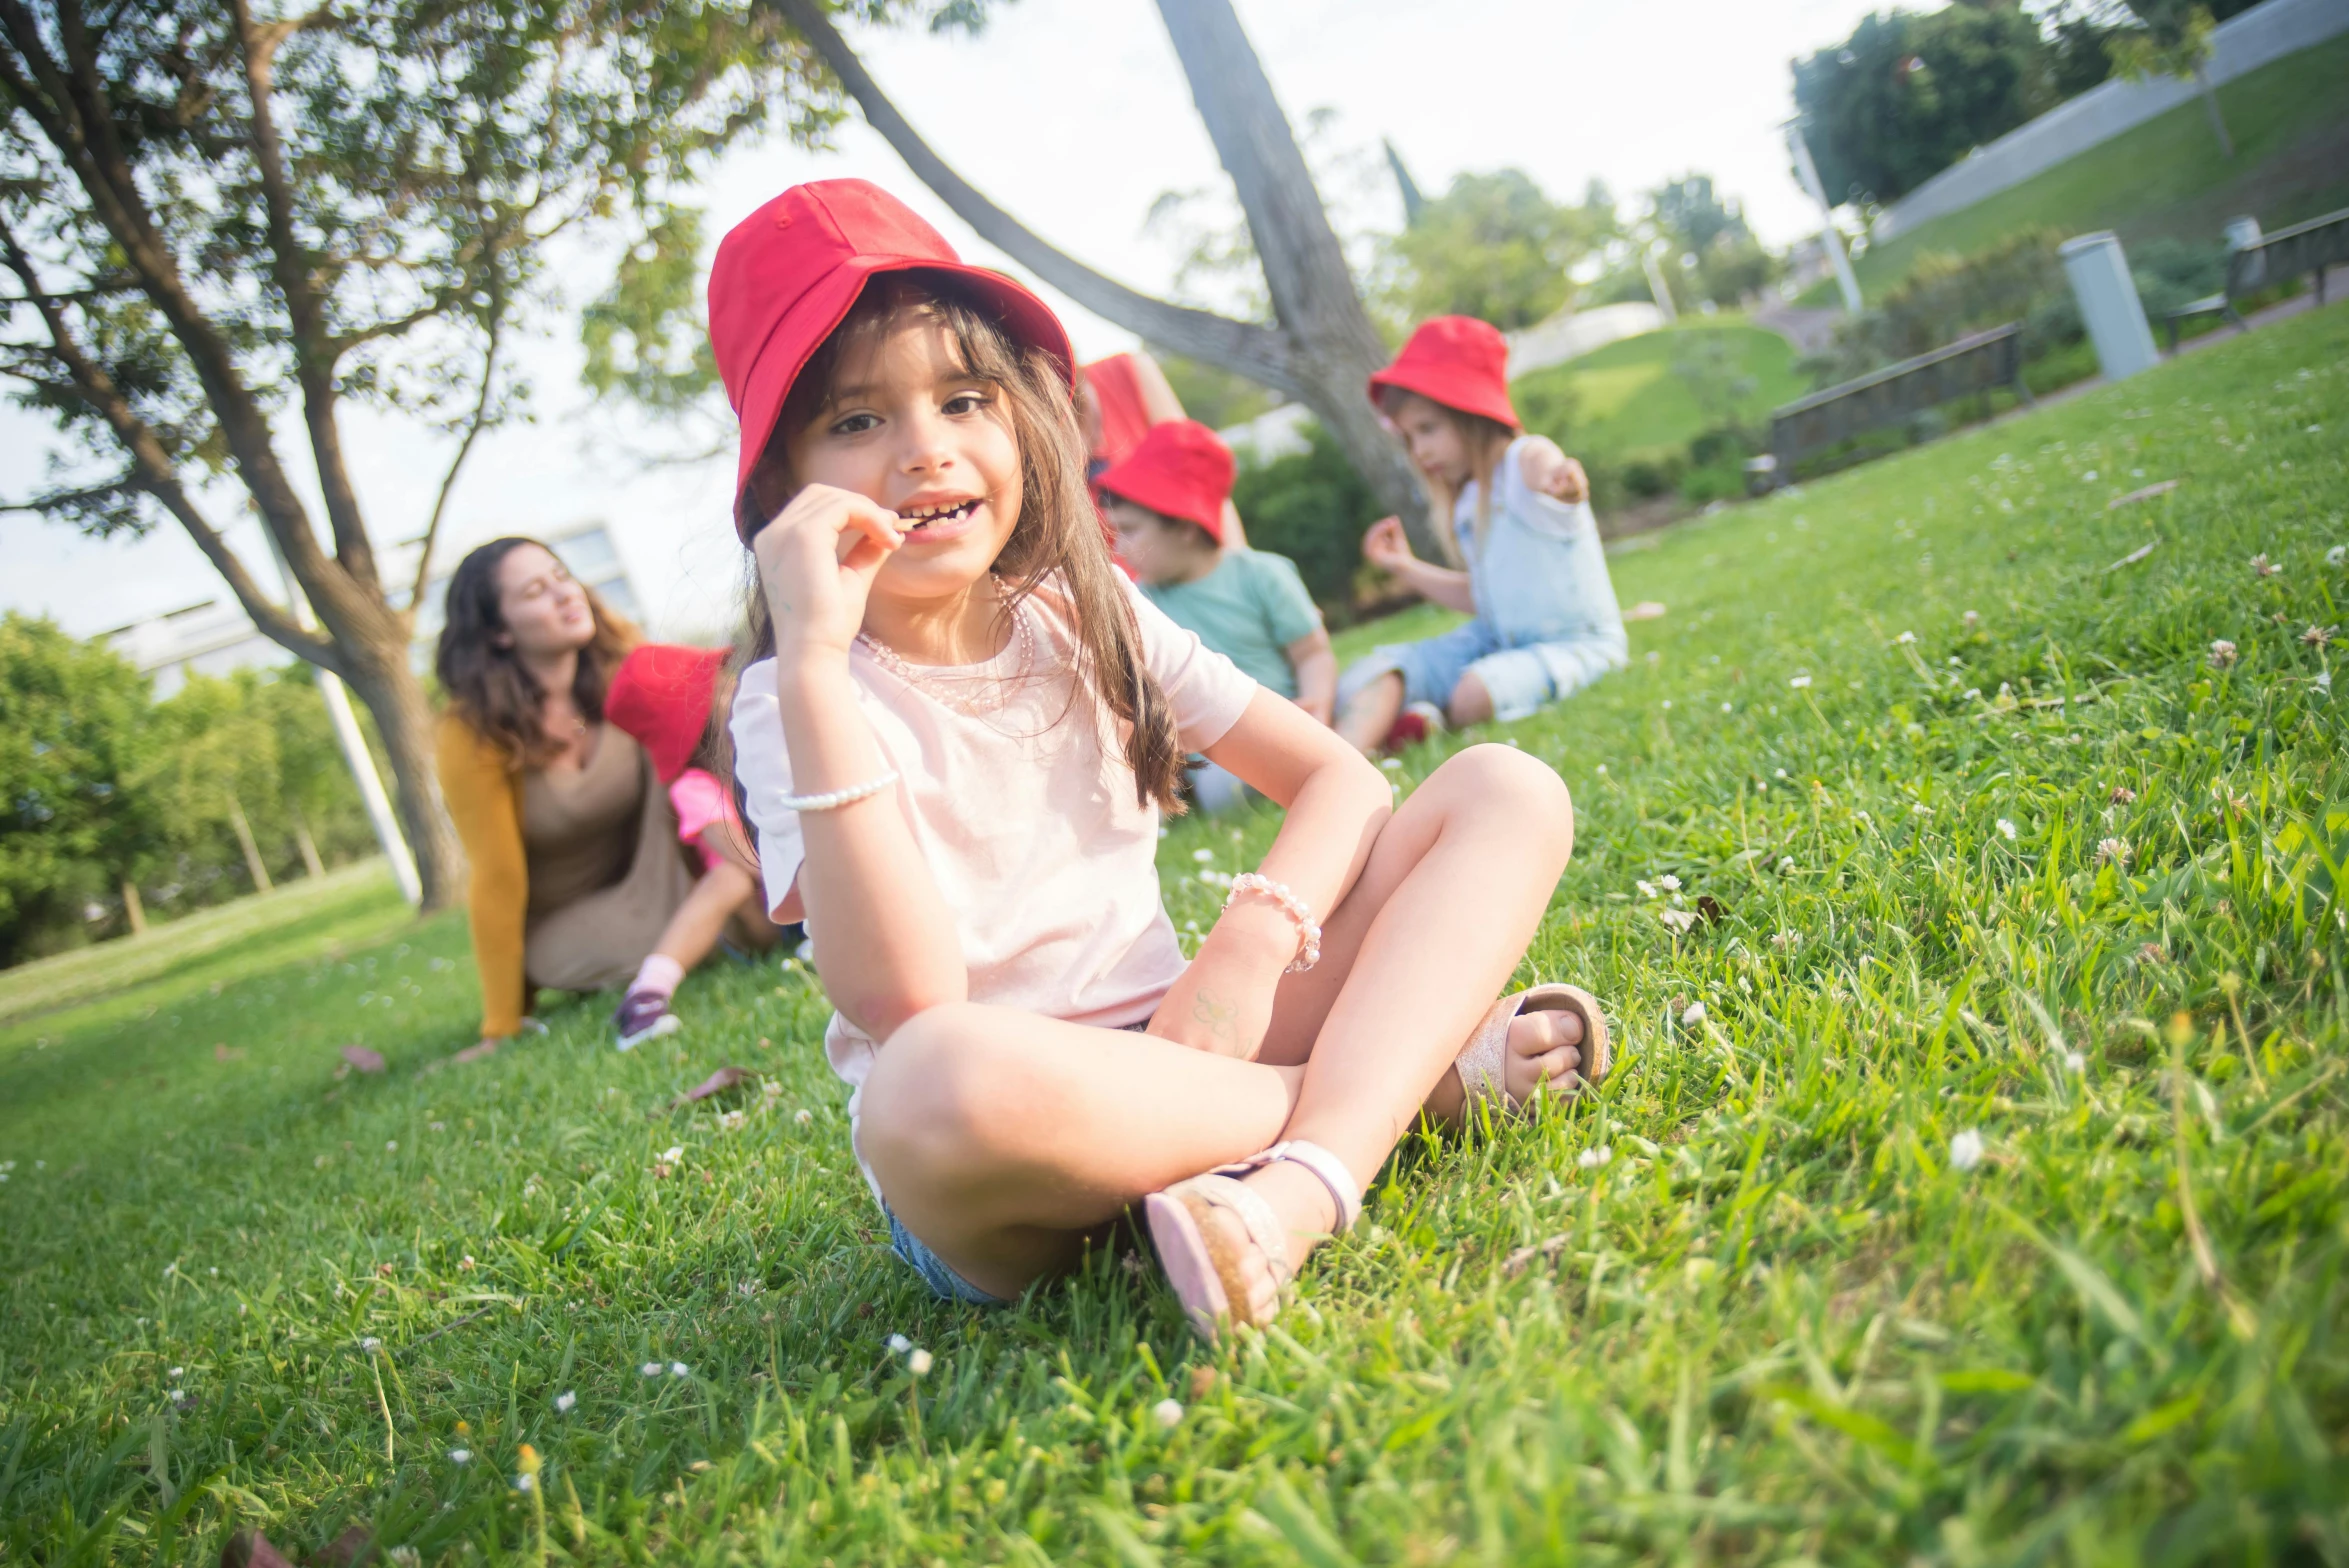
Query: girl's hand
x=1551, y=472
x=1222, y=1004
x=816, y=563
x=1386, y=547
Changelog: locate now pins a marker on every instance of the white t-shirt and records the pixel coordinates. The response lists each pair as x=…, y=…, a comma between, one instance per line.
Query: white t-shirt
x=1026, y=813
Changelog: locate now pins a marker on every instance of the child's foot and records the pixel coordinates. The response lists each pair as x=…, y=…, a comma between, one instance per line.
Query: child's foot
x=1307, y=1215
x=1229, y=1240
x=1542, y=1048
x=643, y=1016
x=1414, y=724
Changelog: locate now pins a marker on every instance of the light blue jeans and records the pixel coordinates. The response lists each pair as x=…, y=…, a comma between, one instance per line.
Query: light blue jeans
x=1520, y=680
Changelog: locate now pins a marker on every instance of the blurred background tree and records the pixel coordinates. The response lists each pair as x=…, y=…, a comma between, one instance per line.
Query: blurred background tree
x=1495, y=246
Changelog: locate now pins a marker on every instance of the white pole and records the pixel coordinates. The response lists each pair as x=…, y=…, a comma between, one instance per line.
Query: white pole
x=355, y=753
x=1829, y=234
x=1658, y=289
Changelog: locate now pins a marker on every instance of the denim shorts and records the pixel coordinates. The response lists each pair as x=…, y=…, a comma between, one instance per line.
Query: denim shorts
x=944, y=1283
x=1520, y=680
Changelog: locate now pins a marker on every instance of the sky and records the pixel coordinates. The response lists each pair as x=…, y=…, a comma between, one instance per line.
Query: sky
x=1073, y=115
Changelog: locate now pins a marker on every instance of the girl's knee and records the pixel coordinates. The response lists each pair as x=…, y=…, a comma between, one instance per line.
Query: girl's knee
x=948, y=1096
x=1496, y=781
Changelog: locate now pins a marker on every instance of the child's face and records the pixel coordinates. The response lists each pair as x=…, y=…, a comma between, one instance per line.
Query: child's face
x=1159, y=549
x=1435, y=441
x=909, y=427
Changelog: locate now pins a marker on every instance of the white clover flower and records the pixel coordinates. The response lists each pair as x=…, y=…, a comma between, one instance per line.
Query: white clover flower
x=652, y=1369
x=1905, y=638
x=1592, y=1159
x=178, y=1396
x=731, y=1121
x=803, y=1117
x=2222, y=654
x=391, y=1146
x=1692, y=1015
x=1668, y=882
x=1206, y=857
x=1167, y=1413
x=2338, y=555
x=1646, y=889
x=2261, y=566
x=525, y=1481
x=1601, y=769
x=918, y=1363
x=1725, y=708
x=1785, y=864
x=371, y=1344
x=1679, y=920
x=2114, y=851
x=679, y=1369
x=460, y=1456
x=2006, y=829
x=2089, y=477
x=672, y=1154
x=1786, y=939
x=1799, y=682
x=1920, y=809
x=2075, y=1062
x=1972, y=692
x=1970, y=620
x=900, y=1344
x=1391, y=764
x=1965, y=1150
x=565, y=1402
x=178, y=1373
x=1781, y=773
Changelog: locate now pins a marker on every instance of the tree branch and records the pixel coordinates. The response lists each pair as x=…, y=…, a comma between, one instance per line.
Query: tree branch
x=152, y=471
x=314, y=355
x=473, y=428
x=1260, y=353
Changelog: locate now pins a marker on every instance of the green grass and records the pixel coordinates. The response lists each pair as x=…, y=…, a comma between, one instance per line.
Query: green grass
x=1742, y=1306
x=355, y=903
x=2166, y=177
x=1627, y=400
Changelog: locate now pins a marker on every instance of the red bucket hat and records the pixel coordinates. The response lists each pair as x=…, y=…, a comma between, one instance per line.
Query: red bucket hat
x=786, y=275
x=661, y=695
x=1179, y=470
x=1458, y=361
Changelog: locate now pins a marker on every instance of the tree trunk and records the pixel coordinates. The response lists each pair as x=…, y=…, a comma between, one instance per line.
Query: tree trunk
x=1325, y=347
x=311, y=864
x=2218, y=121
x=378, y=671
x=244, y=829
x=134, y=909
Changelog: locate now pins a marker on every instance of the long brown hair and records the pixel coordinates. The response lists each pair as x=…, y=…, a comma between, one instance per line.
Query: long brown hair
x=1485, y=441
x=1058, y=534
x=489, y=686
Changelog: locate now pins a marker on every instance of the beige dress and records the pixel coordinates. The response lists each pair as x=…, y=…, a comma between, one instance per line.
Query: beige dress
x=606, y=870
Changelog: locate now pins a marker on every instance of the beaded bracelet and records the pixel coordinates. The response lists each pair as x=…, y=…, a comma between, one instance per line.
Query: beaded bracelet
x=1308, y=932
x=832, y=800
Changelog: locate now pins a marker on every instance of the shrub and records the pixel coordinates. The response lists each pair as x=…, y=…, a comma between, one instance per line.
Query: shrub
x=1312, y=507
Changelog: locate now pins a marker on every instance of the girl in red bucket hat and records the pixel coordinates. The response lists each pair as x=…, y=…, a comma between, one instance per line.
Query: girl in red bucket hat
x=955, y=745
x=662, y=696
x=1525, y=560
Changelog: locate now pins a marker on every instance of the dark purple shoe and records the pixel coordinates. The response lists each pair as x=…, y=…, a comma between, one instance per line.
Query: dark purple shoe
x=644, y=1016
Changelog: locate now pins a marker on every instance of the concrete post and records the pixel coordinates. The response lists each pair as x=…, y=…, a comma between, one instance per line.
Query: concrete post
x=1829, y=235
x=2109, y=306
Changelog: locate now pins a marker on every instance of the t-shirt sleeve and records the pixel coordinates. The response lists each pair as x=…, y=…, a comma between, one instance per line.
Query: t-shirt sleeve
x=1544, y=514
x=1289, y=611
x=1208, y=691
x=763, y=766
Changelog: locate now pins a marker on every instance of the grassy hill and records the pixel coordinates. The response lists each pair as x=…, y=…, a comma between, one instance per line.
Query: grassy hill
x=1628, y=399
x=2166, y=178
x=1972, y=1187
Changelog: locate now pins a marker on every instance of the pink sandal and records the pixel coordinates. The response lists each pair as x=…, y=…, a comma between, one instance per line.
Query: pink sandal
x=1483, y=1065
x=1205, y=1273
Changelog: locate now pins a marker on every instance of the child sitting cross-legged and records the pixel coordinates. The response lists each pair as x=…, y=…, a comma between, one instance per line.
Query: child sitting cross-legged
x=955, y=744
x=1166, y=503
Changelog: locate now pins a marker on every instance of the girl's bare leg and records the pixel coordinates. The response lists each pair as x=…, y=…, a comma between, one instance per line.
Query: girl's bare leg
x=1000, y=1137
x=722, y=892
x=1370, y=713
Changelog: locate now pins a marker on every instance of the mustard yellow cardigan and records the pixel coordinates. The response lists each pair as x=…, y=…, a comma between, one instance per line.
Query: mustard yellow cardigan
x=484, y=796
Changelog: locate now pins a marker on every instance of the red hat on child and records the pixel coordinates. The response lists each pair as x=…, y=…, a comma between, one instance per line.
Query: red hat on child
x=661, y=695
x=1458, y=361
x=1179, y=470
x=786, y=276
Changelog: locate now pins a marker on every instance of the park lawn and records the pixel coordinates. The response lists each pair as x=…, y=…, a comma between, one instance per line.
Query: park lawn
x=1628, y=399
x=1992, y=857
x=2167, y=177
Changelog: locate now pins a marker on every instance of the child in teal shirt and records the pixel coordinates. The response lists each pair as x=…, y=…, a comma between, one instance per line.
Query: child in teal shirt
x=1166, y=505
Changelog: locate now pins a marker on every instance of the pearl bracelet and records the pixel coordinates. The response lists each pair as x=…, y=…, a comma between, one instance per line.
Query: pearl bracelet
x=833, y=799
x=1308, y=932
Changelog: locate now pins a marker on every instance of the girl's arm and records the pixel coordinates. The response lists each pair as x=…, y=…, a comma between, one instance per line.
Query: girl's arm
x=1386, y=548
x=1548, y=471
x=889, y=948
x=1317, y=673
x=1336, y=803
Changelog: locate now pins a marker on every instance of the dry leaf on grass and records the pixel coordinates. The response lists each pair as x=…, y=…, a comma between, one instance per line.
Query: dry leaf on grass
x=474, y=1053
x=228, y=1053
x=362, y=1058
x=251, y=1549
x=1712, y=909
x=2162, y=487
x=1645, y=610
x=715, y=1084
x=2136, y=555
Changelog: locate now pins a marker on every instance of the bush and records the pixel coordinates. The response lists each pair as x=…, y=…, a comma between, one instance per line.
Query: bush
x=1946, y=297
x=1312, y=507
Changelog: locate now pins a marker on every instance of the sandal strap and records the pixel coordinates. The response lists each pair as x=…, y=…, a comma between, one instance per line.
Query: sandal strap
x=1343, y=1188
x=1220, y=1190
x=1482, y=1063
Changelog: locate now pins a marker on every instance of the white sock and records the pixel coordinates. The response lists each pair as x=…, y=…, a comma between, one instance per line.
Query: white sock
x=660, y=974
